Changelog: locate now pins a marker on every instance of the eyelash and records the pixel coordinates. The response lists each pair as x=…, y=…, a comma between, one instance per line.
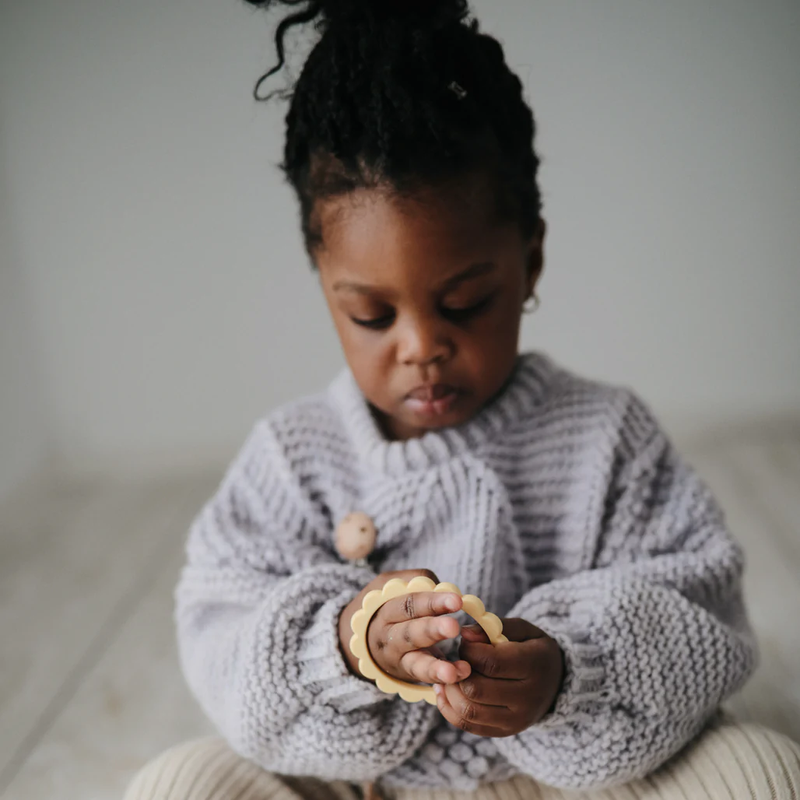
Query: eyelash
x=457, y=315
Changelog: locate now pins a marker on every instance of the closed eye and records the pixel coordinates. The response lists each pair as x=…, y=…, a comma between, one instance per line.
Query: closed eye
x=457, y=315
x=464, y=314
x=377, y=324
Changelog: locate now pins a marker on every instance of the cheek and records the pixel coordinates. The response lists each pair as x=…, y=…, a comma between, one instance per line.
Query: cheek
x=367, y=356
x=491, y=350
x=498, y=331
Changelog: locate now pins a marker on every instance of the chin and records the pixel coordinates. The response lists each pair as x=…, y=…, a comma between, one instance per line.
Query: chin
x=452, y=420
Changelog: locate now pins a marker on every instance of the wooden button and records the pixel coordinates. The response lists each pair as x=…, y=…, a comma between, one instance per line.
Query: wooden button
x=355, y=536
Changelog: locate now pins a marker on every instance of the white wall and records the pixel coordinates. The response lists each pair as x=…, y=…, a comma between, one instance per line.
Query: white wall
x=24, y=424
x=171, y=293
x=670, y=133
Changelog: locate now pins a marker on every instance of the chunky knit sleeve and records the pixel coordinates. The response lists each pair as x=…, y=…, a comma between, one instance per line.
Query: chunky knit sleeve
x=654, y=636
x=257, y=609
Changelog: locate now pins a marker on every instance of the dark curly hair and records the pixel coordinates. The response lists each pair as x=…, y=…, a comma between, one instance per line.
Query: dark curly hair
x=400, y=95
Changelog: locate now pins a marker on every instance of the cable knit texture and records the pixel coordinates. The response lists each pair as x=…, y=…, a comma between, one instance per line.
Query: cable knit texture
x=561, y=502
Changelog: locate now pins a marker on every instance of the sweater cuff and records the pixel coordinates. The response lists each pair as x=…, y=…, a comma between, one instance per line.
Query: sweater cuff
x=322, y=668
x=584, y=687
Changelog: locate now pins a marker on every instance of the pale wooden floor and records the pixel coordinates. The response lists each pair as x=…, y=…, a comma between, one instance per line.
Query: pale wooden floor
x=89, y=681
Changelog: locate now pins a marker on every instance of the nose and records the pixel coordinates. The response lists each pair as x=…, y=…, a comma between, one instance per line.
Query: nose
x=422, y=342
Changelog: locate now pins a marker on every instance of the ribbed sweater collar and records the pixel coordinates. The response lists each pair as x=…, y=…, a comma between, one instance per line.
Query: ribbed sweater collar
x=521, y=394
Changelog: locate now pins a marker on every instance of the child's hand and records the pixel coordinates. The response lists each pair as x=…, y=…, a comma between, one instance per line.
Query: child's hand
x=513, y=684
x=403, y=635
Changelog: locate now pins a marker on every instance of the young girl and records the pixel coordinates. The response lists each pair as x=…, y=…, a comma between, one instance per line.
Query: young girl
x=556, y=500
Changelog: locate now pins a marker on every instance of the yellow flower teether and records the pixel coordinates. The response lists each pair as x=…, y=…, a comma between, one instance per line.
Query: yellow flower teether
x=411, y=692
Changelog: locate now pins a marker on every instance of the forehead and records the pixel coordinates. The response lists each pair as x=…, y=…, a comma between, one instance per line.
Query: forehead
x=376, y=234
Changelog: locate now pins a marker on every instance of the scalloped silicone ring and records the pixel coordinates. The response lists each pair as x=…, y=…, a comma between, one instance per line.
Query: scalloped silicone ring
x=411, y=692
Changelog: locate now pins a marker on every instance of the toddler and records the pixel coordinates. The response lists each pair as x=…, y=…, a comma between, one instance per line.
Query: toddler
x=556, y=500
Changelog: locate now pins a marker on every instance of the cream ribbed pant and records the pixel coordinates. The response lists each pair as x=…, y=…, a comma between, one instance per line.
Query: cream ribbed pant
x=729, y=760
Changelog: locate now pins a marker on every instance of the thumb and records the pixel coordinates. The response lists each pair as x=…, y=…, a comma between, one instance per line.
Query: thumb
x=474, y=633
x=520, y=630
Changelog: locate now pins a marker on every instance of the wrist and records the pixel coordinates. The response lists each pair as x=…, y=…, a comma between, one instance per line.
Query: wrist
x=345, y=633
x=561, y=678
x=559, y=683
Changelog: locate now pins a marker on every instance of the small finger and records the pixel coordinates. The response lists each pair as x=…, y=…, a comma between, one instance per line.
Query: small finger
x=418, y=634
x=420, y=604
x=474, y=633
x=507, y=660
x=493, y=691
x=462, y=667
x=520, y=630
x=423, y=667
x=458, y=711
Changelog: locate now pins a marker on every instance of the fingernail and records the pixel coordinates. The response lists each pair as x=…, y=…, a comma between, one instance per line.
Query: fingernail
x=451, y=604
x=437, y=687
x=441, y=674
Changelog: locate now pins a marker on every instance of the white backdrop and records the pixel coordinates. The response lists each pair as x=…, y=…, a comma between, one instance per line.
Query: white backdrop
x=24, y=419
x=158, y=253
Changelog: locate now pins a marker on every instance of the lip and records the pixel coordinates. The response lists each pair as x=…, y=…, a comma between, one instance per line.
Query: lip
x=432, y=400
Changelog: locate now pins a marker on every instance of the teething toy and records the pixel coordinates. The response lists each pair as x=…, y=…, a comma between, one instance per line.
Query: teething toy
x=411, y=692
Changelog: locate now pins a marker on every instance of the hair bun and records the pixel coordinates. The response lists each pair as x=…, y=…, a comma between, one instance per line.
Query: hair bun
x=412, y=12
x=346, y=16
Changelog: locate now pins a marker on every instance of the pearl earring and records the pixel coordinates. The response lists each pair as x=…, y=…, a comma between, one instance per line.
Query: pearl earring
x=531, y=304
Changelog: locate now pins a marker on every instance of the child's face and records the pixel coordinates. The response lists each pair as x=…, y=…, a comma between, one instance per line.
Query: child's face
x=426, y=294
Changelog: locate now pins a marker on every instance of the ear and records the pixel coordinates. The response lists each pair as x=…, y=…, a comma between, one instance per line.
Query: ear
x=534, y=259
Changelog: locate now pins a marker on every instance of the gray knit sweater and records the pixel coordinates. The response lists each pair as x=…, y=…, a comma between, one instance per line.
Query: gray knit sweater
x=561, y=502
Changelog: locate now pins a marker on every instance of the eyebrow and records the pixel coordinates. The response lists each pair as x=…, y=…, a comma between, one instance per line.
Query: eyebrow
x=470, y=273
x=474, y=271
